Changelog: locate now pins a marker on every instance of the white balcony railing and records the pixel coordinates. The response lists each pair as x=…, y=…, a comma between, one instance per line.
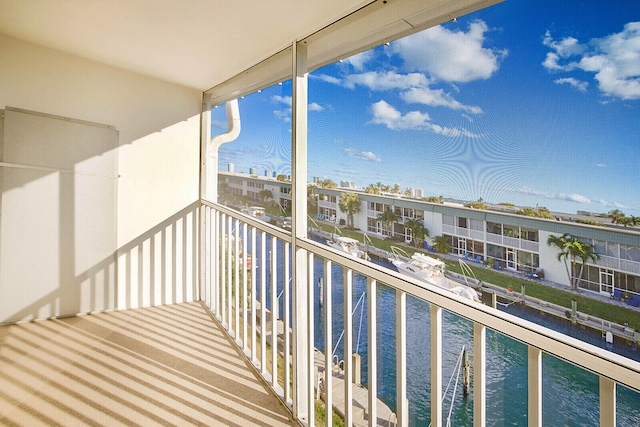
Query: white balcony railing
x=255, y=305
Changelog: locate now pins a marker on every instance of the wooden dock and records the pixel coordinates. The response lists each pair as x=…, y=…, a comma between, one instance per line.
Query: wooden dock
x=386, y=417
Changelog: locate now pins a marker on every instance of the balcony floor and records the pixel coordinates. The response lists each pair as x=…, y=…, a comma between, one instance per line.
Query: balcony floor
x=168, y=365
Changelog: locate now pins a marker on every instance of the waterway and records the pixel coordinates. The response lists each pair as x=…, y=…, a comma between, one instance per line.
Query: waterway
x=570, y=394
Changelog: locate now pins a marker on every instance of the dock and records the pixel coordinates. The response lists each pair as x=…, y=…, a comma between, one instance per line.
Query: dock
x=386, y=417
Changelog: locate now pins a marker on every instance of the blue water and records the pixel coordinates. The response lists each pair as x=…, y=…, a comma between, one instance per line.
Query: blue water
x=570, y=394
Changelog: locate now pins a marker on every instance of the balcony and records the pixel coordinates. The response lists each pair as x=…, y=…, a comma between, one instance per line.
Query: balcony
x=166, y=365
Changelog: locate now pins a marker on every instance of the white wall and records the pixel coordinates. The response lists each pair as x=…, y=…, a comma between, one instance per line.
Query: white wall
x=554, y=270
x=156, y=184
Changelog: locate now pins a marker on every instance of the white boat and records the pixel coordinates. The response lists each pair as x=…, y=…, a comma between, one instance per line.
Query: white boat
x=429, y=270
x=256, y=212
x=348, y=245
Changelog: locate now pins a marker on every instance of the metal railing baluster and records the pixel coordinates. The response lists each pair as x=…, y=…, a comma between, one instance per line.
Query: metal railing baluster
x=328, y=343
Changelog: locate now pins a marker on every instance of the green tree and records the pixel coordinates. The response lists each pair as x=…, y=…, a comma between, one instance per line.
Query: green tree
x=349, y=203
x=478, y=204
x=442, y=244
x=629, y=221
x=616, y=216
x=281, y=178
x=372, y=189
x=434, y=199
x=265, y=195
x=418, y=231
x=389, y=218
x=326, y=183
x=572, y=250
x=535, y=212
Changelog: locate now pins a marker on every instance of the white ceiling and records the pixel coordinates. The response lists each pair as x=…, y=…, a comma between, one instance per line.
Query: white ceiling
x=195, y=43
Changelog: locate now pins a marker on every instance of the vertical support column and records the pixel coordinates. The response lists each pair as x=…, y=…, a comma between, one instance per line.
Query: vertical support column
x=263, y=303
x=535, y=387
x=274, y=312
x=229, y=260
x=372, y=351
x=401, y=359
x=205, y=264
x=287, y=322
x=436, y=366
x=236, y=280
x=479, y=376
x=215, y=265
x=348, y=346
x=223, y=275
x=301, y=341
x=310, y=342
x=245, y=295
x=607, y=402
x=254, y=302
x=328, y=345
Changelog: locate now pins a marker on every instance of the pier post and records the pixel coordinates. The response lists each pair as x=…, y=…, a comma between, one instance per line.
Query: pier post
x=465, y=372
x=522, y=294
x=574, y=311
x=321, y=286
x=357, y=366
x=494, y=300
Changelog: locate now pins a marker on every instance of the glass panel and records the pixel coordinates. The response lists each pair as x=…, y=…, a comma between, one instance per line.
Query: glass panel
x=258, y=163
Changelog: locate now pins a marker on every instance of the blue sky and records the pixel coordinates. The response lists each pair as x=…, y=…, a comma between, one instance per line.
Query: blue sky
x=527, y=102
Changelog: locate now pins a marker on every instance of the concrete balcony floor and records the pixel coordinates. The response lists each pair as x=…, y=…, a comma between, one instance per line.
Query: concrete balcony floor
x=162, y=366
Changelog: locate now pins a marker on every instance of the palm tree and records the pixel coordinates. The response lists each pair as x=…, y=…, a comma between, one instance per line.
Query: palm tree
x=349, y=203
x=389, y=218
x=478, y=204
x=585, y=252
x=629, y=220
x=431, y=199
x=417, y=230
x=572, y=250
x=616, y=216
x=372, y=189
x=561, y=243
x=442, y=244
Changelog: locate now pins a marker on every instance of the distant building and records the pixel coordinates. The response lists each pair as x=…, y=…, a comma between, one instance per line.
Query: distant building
x=348, y=184
x=511, y=242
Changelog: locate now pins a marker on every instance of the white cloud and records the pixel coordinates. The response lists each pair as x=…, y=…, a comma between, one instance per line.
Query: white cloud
x=359, y=60
x=601, y=165
x=451, y=56
x=386, y=80
x=614, y=60
x=437, y=98
x=362, y=155
x=315, y=107
x=286, y=100
x=578, y=85
x=326, y=78
x=578, y=198
x=564, y=48
x=572, y=197
x=284, y=115
x=386, y=114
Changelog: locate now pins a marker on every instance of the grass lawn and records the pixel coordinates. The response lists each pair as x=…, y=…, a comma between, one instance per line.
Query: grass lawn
x=609, y=312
